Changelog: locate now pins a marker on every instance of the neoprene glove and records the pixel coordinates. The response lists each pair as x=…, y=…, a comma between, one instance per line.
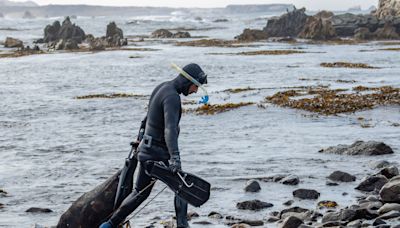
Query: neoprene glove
x=175, y=165
x=106, y=225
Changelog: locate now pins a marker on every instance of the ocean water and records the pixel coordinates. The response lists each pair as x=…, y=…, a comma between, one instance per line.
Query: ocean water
x=53, y=148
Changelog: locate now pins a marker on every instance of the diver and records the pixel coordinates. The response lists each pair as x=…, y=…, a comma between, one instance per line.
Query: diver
x=160, y=140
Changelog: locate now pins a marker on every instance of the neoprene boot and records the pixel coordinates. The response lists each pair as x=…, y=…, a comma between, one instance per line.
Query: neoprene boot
x=181, y=212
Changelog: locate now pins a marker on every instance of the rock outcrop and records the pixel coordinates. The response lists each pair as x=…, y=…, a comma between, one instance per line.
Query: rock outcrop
x=115, y=36
x=164, y=33
x=289, y=24
x=250, y=35
x=319, y=27
x=13, y=43
x=388, y=9
x=63, y=37
x=360, y=148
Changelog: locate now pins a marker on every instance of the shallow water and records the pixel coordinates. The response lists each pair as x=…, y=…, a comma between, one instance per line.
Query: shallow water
x=54, y=148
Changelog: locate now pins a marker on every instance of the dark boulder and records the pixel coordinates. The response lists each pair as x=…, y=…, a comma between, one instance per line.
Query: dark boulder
x=388, y=32
x=253, y=205
x=220, y=20
x=39, y=210
x=13, y=43
x=93, y=207
x=389, y=172
x=291, y=222
x=390, y=215
x=66, y=31
x=306, y=194
x=346, y=24
x=342, y=215
x=372, y=183
x=390, y=192
x=360, y=148
x=252, y=186
x=250, y=35
x=341, y=176
x=289, y=24
x=51, y=32
x=290, y=180
x=389, y=207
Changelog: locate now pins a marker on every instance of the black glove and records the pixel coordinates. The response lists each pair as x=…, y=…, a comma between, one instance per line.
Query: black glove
x=175, y=161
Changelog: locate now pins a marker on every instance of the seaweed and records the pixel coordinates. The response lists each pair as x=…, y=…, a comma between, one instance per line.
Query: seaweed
x=209, y=109
x=263, y=52
x=212, y=43
x=108, y=96
x=348, y=65
x=238, y=90
x=332, y=102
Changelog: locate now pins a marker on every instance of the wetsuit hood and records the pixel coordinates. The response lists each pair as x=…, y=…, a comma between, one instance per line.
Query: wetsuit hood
x=182, y=83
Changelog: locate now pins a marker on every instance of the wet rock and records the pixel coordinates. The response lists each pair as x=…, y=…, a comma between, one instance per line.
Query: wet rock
x=13, y=43
x=389, y=172
x=390, y=192
x=278, y=177
x=252, y=222
x=1, y=205
x=241, y=225
x=304, y=216
x=162, y=33
x=306, y=194
x=181, y=35
x=363, y=33
x=331, y=183
x=389, y=207
x=288, y=203
x=291, y=222
x=355, y=224
x=317, y=28
x=372, y=198
x=390, y=215
x=91, y=208
x=346, y=24
x=51, y=32
x=66, y=31
x=38, y=210
x=332, y=224
x=366, y=212
x=192, y=215
x=388, y=9
x=251, y=35
x=253, y=205
x=220, y=20
x=293, y=209
x=272, y=219
x=378, y=222
x=274, y=213
x=70, y=45
x=289, y=24
x=372, y=183
x=115, y=36
x=202, y=223
x=341, y=176
x=290, y=180
x=360, y=148
x=252, y=186
x=342, y=215
x=215, y=215
x=379, y=164
x=388, y=32
x=98, y=44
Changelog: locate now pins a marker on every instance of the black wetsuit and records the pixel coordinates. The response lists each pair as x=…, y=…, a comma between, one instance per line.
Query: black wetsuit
x=162, y=125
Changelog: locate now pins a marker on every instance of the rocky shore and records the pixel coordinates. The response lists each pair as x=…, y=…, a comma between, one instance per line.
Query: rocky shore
x=382, y=24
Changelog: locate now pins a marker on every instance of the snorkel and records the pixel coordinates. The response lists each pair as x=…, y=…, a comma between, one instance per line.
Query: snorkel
x=205, y=98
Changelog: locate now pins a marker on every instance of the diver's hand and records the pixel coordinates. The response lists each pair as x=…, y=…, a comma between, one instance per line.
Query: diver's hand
x=175, y=163
x=135, y=144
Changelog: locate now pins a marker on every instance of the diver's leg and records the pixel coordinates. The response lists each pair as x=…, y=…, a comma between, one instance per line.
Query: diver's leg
x=181, y=212
x=135, y=198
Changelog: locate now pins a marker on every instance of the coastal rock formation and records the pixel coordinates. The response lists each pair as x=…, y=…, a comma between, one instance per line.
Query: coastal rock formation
x=252, y=186
x=93, y=207
x=13, y=43
x=250, y=35
x=388, y=9
x=67, y=32
x=115, y=36
x=360, y=148
x=253, y=205
x=388, y=32
x=346, y=24
x=289, y=24
x=28, y=15
x=164, y=33
x=372, y=183
x=319, y=27
x=341, y=176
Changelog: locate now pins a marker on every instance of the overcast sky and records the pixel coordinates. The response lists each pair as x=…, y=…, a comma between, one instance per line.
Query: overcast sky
x=309, y=4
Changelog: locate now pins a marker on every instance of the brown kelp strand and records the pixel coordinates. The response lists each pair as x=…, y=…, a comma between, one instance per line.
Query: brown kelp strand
x=217, y=108
x=263, y=52
x=20, y=53
x=348, y=65
x=110, y=95
x=212, y=43
x=238, y=90
x=330, y=102
x=389, y=49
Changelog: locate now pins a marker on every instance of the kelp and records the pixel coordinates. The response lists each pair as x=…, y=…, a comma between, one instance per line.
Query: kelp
x=108, y=96
x=218, y=108
x=331, y=102
x=348, y=65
